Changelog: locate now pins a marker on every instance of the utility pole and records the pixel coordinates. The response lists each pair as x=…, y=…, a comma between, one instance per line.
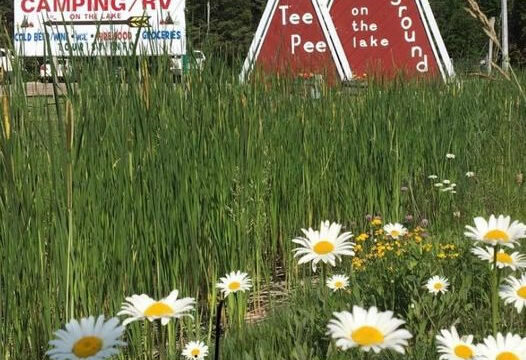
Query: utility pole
x=207, y=18
x=505, y=46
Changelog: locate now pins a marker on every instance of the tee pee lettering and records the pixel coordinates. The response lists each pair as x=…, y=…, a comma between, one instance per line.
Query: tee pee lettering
x=296, y=40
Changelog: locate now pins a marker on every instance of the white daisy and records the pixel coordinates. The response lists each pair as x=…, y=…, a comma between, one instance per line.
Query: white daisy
x=234, y=282
x=338, y=282
x=437, y=284
x=144, y=307
x=450, y=156
x=496, y=231
x=453, y=347
x=325, y=245
x=514, y=261
x=511, y=347
x=88, y=339
x=449, y=188
x=195, y=350
x=514, y=292
x=395, y=231
x=439, y=185
x=470, y=174
x=446, y=182
x=368, y=329
x=432, y=177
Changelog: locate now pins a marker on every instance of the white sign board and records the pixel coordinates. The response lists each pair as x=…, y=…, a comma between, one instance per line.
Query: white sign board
x=99, y=27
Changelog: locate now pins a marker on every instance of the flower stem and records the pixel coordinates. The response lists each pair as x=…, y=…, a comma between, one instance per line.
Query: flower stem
x=495, y=292
x=218, y=327
x=323, y=277
x=149, y=339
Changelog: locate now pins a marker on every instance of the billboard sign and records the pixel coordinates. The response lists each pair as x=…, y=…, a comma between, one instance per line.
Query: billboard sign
x=99, y=27
x=297, y=37
x=386, y=37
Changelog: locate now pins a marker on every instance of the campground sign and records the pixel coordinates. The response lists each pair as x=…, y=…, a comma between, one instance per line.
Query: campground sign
x=297, y=37
x=99, y=27
x=386, y=37
x=349, y=38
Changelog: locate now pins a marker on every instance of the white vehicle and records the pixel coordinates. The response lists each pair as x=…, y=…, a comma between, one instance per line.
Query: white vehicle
x=62, y=67
x=6, y=62
x=181, y=64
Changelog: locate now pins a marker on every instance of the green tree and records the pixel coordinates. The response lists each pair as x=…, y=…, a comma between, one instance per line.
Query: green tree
x=518, y=31
x=6, y=21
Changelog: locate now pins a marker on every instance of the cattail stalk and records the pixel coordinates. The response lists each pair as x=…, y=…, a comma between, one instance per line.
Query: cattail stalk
x=70, y=121
x=5, y=117
x=145, y=84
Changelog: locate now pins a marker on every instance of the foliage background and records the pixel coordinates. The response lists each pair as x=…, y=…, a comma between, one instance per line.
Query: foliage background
x=233, y=23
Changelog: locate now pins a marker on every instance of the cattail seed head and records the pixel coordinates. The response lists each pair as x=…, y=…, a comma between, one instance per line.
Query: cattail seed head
x=5, y=116
x=519, y=178
x=70, y=125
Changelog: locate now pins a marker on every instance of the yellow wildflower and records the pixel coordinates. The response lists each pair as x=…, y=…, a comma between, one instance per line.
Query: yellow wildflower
x=376, y=221
x=357, y=263
x=427, y=247
x=362, y=237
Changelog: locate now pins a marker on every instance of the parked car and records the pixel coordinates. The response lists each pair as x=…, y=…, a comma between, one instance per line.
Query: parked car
x=62, y=67
x=6, y=63
x=181, y=64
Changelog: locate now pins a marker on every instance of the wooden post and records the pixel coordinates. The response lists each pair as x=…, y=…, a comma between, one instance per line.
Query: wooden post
x=489, y=59
x=505, y=48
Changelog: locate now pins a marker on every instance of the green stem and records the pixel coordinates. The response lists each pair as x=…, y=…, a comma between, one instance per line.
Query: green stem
x=323, y=277
x=149, y=339
x=495, y=292
x=69, y=277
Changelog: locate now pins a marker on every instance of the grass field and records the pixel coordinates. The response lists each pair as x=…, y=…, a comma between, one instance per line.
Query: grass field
x=162, y=186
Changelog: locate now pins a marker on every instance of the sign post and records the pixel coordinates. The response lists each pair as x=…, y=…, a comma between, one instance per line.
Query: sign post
x=387, y=37
x=297, y=37
x=99, y=27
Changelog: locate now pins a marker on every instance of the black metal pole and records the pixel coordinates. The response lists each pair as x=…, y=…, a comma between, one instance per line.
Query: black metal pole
x=218, y=327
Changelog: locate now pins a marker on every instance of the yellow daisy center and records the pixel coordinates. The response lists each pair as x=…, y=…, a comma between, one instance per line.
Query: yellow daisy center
x=338, y=284
x=158, y=309
x=463, y=351
x=504, y=258
x=234, y=285
x=506, y=355
x=522, y=292
x=496, y=235
x=438, y=286
x=87, y=346
x=367, y=336
x=195, y=352
x=323, y=247
x=395, y=233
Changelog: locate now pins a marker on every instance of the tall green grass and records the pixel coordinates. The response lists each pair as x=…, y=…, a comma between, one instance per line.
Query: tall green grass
x=210, y=176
